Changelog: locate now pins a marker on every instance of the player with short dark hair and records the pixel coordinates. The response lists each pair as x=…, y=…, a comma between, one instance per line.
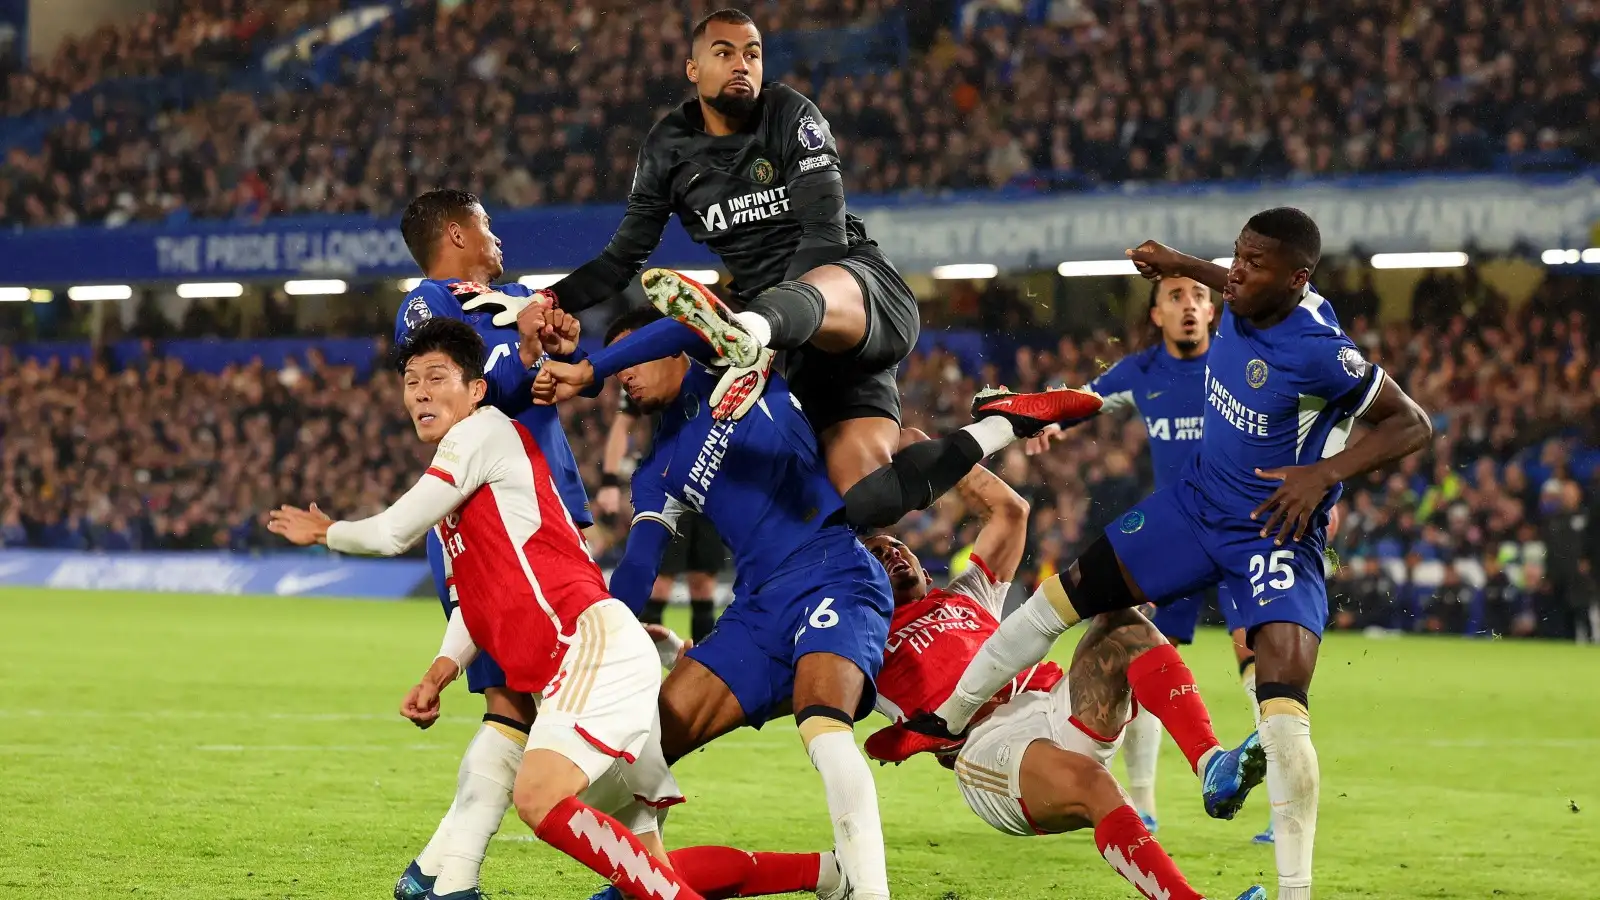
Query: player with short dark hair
x=805, y=631
x=1284, y=386
x=752, y=172
x=448, y=233
x=1163, y=383
x=1036, y=761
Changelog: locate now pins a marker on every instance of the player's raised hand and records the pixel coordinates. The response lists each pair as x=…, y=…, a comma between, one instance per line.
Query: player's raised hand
x=559, y=381
x=608, y=500
x=1292, y=507
x=1041, y=442
x=559, y=334
x=1155, y=260
x=299, y=526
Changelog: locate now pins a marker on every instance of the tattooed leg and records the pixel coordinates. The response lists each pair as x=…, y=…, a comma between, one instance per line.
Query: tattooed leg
x=1098, y=678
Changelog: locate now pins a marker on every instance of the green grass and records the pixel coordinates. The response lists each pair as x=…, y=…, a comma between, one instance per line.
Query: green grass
x=202, y=747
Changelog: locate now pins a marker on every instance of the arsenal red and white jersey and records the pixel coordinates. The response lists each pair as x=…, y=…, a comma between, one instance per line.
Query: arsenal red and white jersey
x=521, y=570
x=932, y=640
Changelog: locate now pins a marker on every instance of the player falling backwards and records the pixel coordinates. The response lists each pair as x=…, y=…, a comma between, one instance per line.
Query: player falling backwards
x=1036, y=755
x=528, y=592
x=806, y=629
x=1284, y=386
x=1164, y=383
x=752, y=172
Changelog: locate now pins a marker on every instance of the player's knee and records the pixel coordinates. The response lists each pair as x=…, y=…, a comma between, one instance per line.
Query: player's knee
x=886, y=494
x=534, y=799
x=1071, y=789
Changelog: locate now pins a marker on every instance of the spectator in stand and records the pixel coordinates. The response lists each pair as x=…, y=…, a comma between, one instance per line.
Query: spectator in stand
x=523, y=112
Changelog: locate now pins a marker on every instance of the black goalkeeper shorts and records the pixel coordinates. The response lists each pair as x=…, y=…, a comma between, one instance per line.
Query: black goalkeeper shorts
x=696, y=548
x=833, y=388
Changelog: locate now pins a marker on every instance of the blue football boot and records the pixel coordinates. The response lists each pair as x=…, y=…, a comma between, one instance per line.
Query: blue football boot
x=1229, y=776
x=1264, y=837
x=609, y=892
x=1149, y=822
x=1256, y=892
x=413, y=885
x=468, y=894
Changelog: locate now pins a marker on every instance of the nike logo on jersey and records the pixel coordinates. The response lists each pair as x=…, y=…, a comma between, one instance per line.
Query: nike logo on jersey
x=1265, y=600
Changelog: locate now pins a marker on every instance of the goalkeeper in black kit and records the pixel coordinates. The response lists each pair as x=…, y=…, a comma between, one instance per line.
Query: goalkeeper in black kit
x=752, y=172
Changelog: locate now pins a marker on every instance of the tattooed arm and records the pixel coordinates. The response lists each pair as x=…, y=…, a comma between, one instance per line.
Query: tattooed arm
x=1098, y=679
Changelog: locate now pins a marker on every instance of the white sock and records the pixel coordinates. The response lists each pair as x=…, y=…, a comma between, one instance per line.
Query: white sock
x=853, y=806
x=1292, y=784
x=1022, y=640
x=829, y=875
x=432, y=855
x=756, y=324
x=1141, y=745
x=992, y=434
x=483, y=794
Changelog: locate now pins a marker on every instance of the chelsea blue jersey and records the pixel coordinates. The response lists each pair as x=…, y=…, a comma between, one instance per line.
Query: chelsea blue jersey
x=510, y=382
x=1169, y=394
x=760, y=481
x=1282, y=396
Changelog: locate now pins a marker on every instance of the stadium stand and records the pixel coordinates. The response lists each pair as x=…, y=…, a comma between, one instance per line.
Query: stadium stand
x=1042, y=96
x=1488, y=532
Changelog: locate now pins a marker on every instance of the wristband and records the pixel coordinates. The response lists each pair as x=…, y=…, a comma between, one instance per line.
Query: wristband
x=610, y=479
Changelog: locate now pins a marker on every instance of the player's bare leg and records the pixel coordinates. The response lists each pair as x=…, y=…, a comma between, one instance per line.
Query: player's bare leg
x=450, y=863
x=1097, y=583
x=1286, y=658
x=697, y=707
x=827, y=693
x=1066, y=790
x=546, y=796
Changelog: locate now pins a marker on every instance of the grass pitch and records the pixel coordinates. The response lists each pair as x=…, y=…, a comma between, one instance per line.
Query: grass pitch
x=201, y=747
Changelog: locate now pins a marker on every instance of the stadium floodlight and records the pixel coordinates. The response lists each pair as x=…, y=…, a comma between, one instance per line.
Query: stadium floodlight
x=704, y=276
x=1089, y=268
x=1448, y=260
x=203, y=290
x=1554, y=257
x=15, y=295
x=314, y=286
x=407, y=285
x=961, y=271
x=540, y=282
x=1591, y=255
x=1571, y=256
x=85, y=293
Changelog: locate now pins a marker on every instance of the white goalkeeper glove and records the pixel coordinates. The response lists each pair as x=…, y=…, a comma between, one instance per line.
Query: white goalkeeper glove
x=736, y=394
x=505, y=306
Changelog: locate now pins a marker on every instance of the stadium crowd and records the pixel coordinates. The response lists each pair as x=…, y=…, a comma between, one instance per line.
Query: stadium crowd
x=511, y=99
x=1495, y=529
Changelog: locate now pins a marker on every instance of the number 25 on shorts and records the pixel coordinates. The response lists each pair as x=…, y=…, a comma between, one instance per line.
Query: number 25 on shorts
x=1278, y=566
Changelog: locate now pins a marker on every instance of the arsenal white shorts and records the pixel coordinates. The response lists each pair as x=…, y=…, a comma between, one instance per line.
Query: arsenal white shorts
x=602, y=715
x=989, y=766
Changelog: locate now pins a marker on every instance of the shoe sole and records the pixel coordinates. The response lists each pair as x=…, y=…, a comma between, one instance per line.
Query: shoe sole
x=1252, y=773
x=678, y=298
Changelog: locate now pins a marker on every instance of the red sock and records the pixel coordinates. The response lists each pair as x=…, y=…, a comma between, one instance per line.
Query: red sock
x=601, y=843
x=1136, y=856
x=1164, y=685
x=721, y=872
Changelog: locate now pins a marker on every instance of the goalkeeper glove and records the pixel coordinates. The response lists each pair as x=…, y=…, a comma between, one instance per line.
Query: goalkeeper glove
x=741, y=387
x=506, y=307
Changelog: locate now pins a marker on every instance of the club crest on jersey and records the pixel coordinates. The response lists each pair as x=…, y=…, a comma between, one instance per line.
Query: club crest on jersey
x=1255, y=373
x=1354, y=365
x=812, y=137
x=1132, y=522
x=761, y=171
x=468, y=288
x=417, y=312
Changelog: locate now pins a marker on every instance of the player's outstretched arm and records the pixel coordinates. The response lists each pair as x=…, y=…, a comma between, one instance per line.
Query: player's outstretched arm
x=658, y=340
x=1004, y=534
x=1400, y=427
x=635, y=575
x=1156, y=261
x=605, y=276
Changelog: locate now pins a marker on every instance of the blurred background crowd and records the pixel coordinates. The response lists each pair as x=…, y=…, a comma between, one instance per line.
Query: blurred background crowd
x=530, y=103
x=1488, y=531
